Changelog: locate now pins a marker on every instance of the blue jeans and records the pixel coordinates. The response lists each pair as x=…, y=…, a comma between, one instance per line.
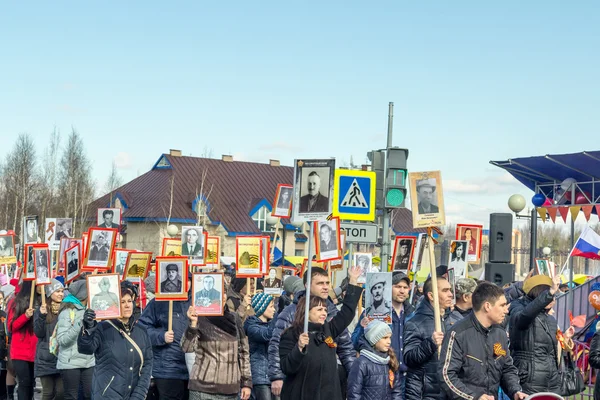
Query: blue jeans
x=263, y=392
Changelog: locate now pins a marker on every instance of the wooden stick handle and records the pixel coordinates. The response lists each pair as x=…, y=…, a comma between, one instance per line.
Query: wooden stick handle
x=43, y=295
x=255, y=285
x=32, y=294
x=170, y=315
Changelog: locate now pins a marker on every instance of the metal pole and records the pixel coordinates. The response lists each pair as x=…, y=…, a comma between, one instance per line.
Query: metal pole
x=307, y=273
x=284, y=234
x=570, y=298
x=385, y=240
x=533, y=241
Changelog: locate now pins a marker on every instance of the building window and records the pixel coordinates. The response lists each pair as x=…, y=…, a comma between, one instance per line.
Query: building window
x=260, y=218
x=299, y=253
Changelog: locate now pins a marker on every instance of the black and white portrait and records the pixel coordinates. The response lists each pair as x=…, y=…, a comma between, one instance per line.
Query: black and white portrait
x=64, y=228
x=192, y=243
x=120, y=261
x=365, y=262
x=30, y=229
x=7, y=249
x=171, y=280
x=327, y=239
x=426, y=198
x=42, y=266
x=403, y=253
x=72, y=258
x=66, y=244
x=378, y=296
x=109, y=218
x=458, y=258
x=283, y=201
x=207, y=292
x=273, y=283
x=29, y=262
x=313, y=189
x=101, y=244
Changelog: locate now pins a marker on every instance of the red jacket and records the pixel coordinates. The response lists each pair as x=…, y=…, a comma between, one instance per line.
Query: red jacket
x=23, y=341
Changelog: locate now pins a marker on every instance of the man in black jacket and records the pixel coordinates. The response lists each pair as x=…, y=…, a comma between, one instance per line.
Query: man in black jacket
x=475, y=359
x=421, y=343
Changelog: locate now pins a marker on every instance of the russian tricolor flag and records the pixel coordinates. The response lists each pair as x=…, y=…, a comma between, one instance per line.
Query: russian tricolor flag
x=588, y=245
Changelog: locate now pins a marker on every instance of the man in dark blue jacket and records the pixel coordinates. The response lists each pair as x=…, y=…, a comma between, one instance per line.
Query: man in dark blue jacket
x=421, y=343
x=402, y=309
x=169, y=368
x=319, y=286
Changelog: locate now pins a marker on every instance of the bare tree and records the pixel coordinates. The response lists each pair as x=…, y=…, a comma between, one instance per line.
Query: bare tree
x=49, y=179
x=203, y=192
x=113, y=182
x=75, y=183
x=207, y=152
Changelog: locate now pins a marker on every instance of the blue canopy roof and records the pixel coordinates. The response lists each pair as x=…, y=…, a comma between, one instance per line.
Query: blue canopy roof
x=553, y=169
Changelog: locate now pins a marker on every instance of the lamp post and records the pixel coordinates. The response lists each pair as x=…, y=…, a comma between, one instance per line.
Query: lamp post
x=546, y=251
x=517, y=203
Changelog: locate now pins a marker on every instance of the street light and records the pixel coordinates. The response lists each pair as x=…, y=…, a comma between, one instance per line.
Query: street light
x=546, y=250
x=172, y=230
x=517, y=203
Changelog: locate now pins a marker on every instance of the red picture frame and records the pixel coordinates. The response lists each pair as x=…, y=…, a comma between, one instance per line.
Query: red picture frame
x=477, y=237
x=158, y=295
x=113, y=268
x=42, y=248
x=316, y=231
x=276, y=201
x=195, y=278
x=88, y=243
x=265, y=251
x=258, y=273
x=397, y=241
x=29, y=262
x=138, y=256
x=166, y=243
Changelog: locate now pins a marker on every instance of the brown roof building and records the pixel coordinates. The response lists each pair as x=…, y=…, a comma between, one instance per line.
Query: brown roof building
x=229, y=198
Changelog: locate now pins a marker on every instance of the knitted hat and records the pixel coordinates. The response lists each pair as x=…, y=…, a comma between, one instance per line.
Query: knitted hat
x=536, y=280
x=288, y=283
x=260, y=302
x=150, y=283
x=375, y=331
x=400, y=276
x=79, y=289
x=297, y=286
x=53, y=287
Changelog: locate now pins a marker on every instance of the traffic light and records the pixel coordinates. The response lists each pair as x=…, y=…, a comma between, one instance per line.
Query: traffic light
x=377, y=158
x=395, y=177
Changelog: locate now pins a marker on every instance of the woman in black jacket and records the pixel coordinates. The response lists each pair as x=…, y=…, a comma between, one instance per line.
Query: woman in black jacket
x=533, y=336
x=309, y=359
x=123, y=353
x=594, y=360
x=44, y=322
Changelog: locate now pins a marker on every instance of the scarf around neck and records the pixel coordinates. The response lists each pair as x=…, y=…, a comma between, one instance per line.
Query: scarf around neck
x=376, y=356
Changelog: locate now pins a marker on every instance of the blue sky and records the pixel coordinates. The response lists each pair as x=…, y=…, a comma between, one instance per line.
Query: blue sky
x=471, y=82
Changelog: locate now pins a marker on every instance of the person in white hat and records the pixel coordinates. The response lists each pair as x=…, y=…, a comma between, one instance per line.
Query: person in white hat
x=425, y=196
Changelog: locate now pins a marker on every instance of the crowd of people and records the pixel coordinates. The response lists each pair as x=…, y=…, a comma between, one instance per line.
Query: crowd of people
x=492, y=342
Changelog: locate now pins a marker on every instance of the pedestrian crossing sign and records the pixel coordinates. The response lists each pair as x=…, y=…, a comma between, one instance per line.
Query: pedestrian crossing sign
x=354, y=195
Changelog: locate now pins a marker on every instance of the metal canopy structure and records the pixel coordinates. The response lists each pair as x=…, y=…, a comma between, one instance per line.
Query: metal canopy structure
x=544, y=174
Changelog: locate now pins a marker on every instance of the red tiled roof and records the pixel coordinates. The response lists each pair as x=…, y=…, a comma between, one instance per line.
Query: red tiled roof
x=232, y=189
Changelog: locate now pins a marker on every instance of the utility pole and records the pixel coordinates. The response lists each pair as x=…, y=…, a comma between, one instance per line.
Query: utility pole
x=385, y=242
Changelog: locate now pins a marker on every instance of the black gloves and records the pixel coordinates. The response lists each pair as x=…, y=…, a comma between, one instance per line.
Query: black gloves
x=89, y=319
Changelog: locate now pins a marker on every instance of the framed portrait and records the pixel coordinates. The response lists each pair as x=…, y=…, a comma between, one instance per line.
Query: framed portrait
x=49, y=234
x=100, y=249
x=427, y=199
x=542, y=266
x=378, y=296
x=30, y=229
x=337, y=265
x=452, y=281
x=109, y=218
x=327, y=239
x=365, y=262
x=8, y=251
x=273, y=282
x=171, y=278
x=193, y=244
x=404, y=250
x=282, y=206
x=120, y=261
x=65, y=244
x=472, y=235
x=171, y=247
x=457, y=259
x=138, y=265
x=207, y=293
x=104, y=295
x=72, y=258
x=29, y=262
x=313, y=189
x=248, y=253
x=41, y=256
x=213, y=251
x=265, y=250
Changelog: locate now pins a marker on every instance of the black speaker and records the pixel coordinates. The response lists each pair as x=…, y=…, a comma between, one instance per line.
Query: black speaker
x=499, y=273
x=500, y=237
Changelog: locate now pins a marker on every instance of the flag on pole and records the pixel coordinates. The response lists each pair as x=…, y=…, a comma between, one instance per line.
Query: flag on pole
x=588, y=245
